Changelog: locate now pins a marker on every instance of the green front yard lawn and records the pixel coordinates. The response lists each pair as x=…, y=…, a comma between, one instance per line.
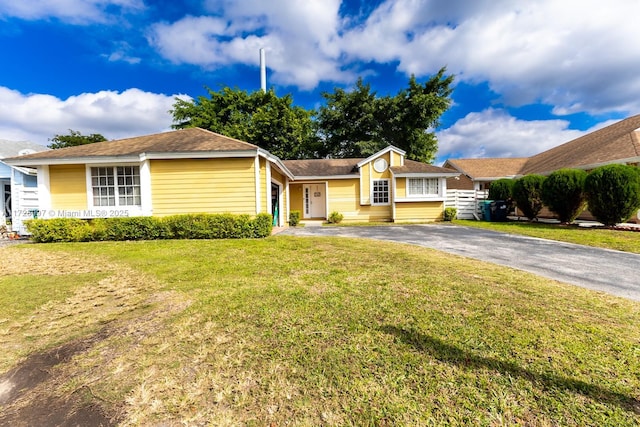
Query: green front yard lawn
x=627, y=241
x=321, y=331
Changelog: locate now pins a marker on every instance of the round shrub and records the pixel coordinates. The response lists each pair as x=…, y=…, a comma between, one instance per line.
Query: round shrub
x=527, y=193
x=563, y=193
x=501, y=189
x=613, y=193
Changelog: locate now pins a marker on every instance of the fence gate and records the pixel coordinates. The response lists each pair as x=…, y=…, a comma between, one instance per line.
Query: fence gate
x=466, y=202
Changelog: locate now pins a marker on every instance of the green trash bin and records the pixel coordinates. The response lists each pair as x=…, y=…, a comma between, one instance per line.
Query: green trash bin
x=486, y=209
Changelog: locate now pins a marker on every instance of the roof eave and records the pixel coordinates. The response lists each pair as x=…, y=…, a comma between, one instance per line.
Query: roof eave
x=380, y=153
x=426, y=174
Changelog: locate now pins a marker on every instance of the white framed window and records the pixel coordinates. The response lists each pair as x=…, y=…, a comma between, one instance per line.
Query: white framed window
x=116, y=186
x=380, y=192
x=423, y=187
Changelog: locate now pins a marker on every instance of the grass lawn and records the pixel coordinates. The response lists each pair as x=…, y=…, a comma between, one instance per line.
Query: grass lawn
x=627, y=241
x=321, y=331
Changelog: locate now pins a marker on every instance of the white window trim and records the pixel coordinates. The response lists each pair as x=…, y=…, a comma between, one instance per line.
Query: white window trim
x=373, y=203
x=424, y=195
x=115, y=210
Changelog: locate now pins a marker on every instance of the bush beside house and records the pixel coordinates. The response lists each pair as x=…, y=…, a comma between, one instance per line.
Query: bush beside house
x=188, y=226
x=527, y=193
x=563, y=193
x=613, y=193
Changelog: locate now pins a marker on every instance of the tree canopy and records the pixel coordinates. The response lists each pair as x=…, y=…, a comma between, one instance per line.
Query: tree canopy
x=353, y=123
x=261, y=118
x=73, y=139
x=359, y=123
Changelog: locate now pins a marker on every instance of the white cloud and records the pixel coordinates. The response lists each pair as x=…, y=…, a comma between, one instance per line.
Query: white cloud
x=300, y=38
x=38, y=117
x=494, y=133
x=576, y=55
x=73, y=11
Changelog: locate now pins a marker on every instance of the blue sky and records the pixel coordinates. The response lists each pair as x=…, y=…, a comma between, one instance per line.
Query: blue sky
x=529, y=74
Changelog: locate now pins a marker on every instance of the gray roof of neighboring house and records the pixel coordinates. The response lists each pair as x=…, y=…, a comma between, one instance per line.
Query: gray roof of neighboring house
x=13, y=148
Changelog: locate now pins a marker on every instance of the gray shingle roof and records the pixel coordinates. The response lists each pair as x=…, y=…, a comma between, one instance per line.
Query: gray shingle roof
x=13, y=148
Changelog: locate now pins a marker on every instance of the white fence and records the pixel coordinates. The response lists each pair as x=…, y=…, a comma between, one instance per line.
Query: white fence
x=466, y=202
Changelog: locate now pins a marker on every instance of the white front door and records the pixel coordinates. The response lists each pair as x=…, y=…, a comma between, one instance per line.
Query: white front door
x=314, y=201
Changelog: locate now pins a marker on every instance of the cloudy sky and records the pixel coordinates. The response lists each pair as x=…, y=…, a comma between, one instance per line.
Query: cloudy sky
x=529, y=74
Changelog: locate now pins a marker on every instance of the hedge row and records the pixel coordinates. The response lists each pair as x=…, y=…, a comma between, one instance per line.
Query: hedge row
x=612, y=193
x=188, y=226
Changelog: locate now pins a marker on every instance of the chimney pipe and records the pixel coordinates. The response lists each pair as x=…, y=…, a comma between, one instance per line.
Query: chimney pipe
x=263, y=71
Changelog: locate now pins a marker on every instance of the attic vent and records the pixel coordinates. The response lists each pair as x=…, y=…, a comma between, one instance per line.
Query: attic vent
x=26, y=151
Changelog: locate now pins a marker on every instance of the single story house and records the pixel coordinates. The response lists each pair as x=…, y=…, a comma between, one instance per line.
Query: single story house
x=198, y=171
x=18, y=185
x=478, y=174
x=616, y=143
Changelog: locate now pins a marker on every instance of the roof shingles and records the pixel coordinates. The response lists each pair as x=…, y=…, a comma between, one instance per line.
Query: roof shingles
x=179, y=141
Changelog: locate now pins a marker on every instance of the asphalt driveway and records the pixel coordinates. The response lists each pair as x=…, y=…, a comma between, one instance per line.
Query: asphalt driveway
x=603, y=270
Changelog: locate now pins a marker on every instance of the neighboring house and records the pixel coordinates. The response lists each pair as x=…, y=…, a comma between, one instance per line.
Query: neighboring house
x=617, y=143
x=195, y=170
x=18, y=185
x=478, y=174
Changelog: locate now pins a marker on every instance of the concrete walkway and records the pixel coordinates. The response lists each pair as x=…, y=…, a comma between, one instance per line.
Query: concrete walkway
x=603, y=270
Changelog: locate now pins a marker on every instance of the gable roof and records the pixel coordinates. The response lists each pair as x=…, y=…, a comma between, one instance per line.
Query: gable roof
x=13, y=148
x=488, y=169
x=617, y=142
x=191, y=140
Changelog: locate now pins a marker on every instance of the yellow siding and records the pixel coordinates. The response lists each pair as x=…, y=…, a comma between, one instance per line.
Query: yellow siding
x=419, y=211
x=396, y=159
x=265, y=187
x=384, y=175
x=68, y=186
x=295, y=193
x=203, y=186
x=365, y=184
x=401, y=188
x=343, y=198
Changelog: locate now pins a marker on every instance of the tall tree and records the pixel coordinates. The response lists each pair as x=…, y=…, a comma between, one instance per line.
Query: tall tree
x=73, y=139
x=261, y=118
x=358, y=123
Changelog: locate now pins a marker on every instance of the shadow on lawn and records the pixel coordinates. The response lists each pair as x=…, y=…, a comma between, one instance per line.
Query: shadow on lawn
x=452, y=354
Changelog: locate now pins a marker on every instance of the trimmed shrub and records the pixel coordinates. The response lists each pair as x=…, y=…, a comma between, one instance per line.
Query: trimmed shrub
x=527, y=193
x=59, y=230
x=130, y=228
x=501, y=189
x=450, y=214
x=262, y=225
x=335, y=217
x=190, y=226
x=563, y=193
x=613, y=193
x=294, y=218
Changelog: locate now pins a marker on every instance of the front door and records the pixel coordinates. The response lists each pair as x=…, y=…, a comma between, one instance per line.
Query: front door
x=275, y=204
x=314, y=201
